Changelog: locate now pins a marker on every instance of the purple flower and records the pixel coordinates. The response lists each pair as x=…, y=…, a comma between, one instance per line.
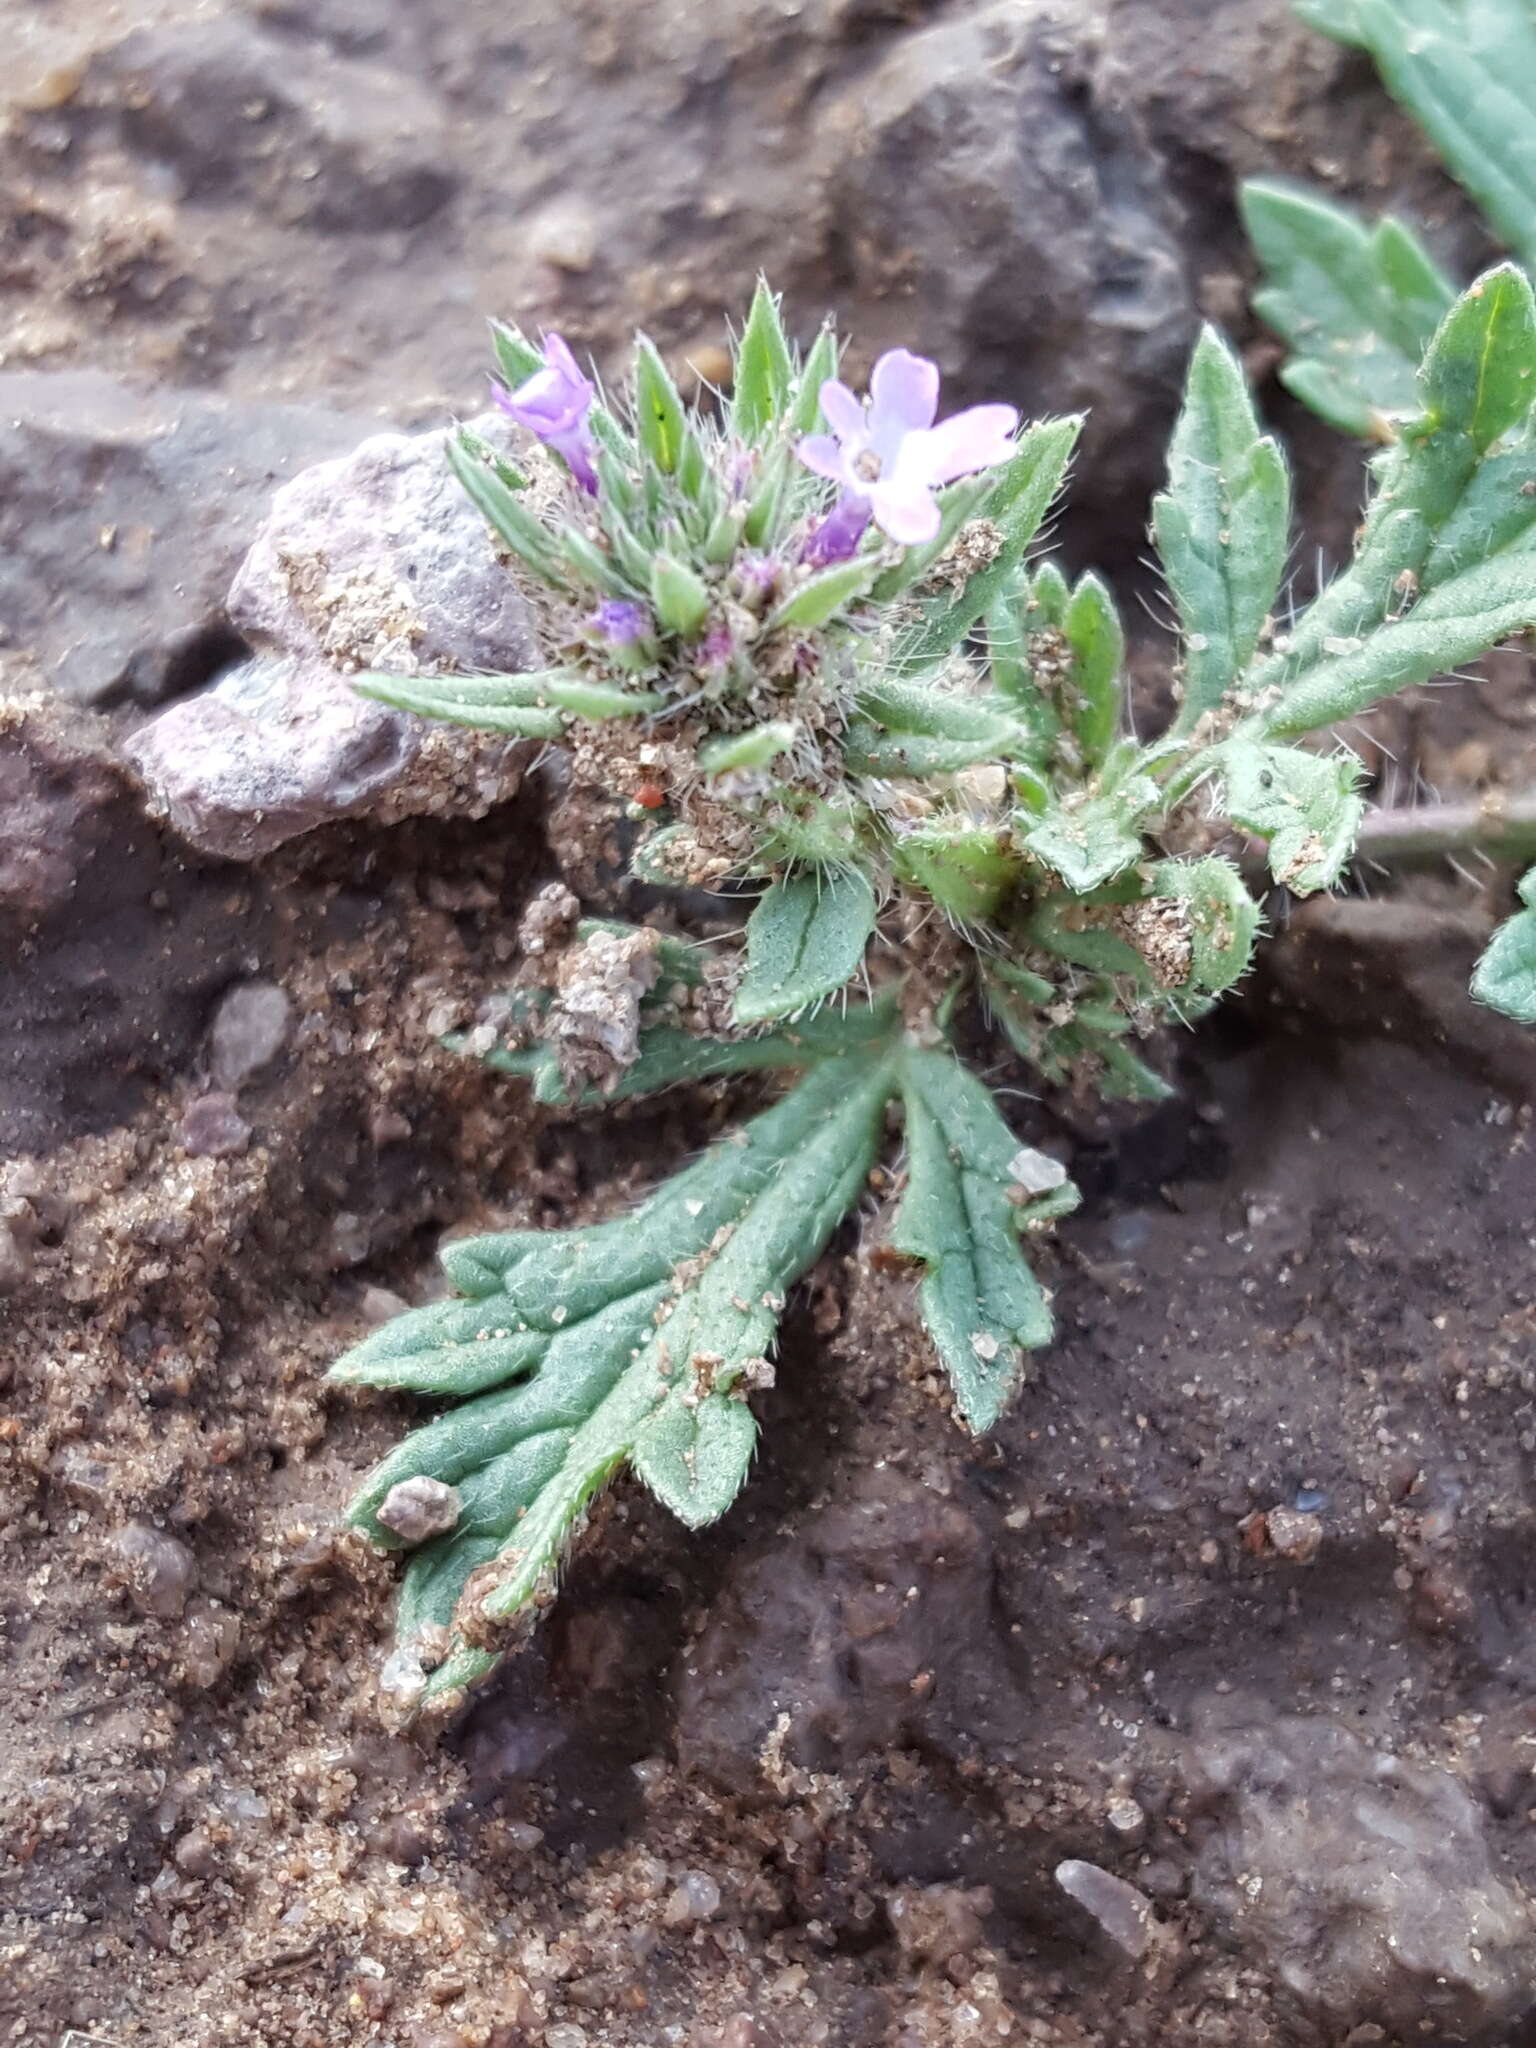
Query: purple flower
x=553, y=404
x=889, y=456
x=621, y=623
x=837, y=538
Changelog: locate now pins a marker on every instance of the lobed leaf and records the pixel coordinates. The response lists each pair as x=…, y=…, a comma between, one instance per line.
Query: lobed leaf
x=660, y=1323
x=1305, y=806
x=1466, y=71
x=971, y=1189
x=1445, y=567
x=1089, y=839
x=1222, y=527
x=1357, y=304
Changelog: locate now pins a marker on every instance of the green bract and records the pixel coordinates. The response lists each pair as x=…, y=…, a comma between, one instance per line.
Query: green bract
x=910, y=766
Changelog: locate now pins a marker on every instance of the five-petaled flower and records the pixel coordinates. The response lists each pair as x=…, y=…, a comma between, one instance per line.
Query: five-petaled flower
x=889, y=456
x=553, y=404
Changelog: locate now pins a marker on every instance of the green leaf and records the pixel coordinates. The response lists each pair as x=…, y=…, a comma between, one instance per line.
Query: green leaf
x=1221, y=918
x=1480, y=372
x=1306, y=807
x=1089, y=839
x=1505, y=977
x=485, y=480
x=1021, y=495
x=765, y=369
x=820, y=364
x=971, y=1189
x=1444, y=568
x=510, y=704
x=805, y=941
x=653, y=1327
x=660, y=421
x=694, y=1453
x=1222, y=527
x=680, y=597
x=535, y=705
x=925, y=728
x=728, y=752
x=1467, y=74
x=815, y=602
x=1357, y=305
x=1097, y=640
x=517, y=358
x=966, y=869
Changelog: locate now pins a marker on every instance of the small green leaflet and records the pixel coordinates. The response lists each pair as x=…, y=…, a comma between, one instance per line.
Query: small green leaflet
x=1467, y=74
x=534, y=706
x=1306, y=807
x=1358, y=305
x=1505, y=977
x=1090, y=841
x=971, y=1189
x=765, y=369
x=922, y=728
x=1222, y=527
x=1021, y=495
x=1445, y=567
x=680, y=595
x=633, y=1341
x=1223, y=919
x=805, y=941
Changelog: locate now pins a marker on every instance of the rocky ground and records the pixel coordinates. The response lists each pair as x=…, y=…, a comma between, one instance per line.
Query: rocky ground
x=1194, y=1707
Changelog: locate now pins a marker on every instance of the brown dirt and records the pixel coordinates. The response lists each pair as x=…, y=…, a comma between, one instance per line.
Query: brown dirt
x=1310, y=1272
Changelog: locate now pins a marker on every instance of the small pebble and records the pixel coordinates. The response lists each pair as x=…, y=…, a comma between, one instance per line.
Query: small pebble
x=1296, y=1536
x=212, y=1128
x=210, y=1639
x=248, y=1032
x=695, y=1898
x=419, y=1508
x=1124, y=1913
x=161, y=1572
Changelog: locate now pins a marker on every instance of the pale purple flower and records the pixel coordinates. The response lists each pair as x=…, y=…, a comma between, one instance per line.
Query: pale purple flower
x=553, y=404
x=889, y=456
x=620, y=622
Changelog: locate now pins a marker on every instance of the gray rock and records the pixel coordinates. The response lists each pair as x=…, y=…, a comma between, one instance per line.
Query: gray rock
x=379, y=560
x=248, y=1031
x=1364, y=1881
x=123, y=515
x=330, y=144
x=273, y=750
x=1023, y=227
x=374, y=561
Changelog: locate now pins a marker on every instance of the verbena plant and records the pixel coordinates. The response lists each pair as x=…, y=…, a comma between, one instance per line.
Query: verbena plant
x=803, y=646
x=1359, y=303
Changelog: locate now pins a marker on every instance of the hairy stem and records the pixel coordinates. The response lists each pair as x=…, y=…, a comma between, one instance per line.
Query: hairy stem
x=1503, y=827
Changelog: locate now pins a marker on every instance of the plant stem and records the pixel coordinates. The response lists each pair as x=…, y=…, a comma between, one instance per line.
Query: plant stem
x=1502, y=827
